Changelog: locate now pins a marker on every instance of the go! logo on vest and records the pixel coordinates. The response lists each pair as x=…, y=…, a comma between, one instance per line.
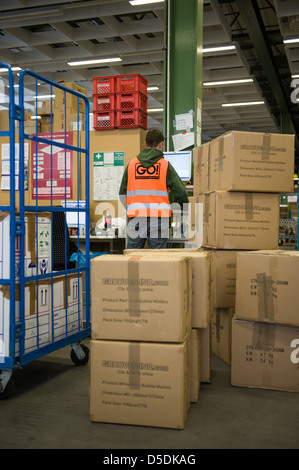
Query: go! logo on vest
x=153, y=172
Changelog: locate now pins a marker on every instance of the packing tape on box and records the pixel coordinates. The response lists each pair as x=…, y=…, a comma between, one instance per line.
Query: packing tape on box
x=266, y=147
x=266, y=290
x=134, y=365
x=248, y=206
x=133, y=286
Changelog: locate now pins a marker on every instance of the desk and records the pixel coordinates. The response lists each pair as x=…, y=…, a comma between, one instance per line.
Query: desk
x=110, y=244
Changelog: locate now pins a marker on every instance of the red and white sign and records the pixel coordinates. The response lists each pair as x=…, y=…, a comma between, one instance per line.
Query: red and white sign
x=52, y=167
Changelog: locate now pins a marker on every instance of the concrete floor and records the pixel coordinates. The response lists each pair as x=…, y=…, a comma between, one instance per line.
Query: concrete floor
x=49, y=410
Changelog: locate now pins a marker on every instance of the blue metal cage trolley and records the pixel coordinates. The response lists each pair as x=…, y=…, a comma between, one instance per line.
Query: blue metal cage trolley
x=42, y=304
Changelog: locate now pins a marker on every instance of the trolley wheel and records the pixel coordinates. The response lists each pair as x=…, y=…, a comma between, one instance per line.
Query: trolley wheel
x=8, y=390
x=80, y=358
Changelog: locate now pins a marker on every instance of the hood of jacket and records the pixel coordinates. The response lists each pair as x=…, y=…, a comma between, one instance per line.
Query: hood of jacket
x=149, y=156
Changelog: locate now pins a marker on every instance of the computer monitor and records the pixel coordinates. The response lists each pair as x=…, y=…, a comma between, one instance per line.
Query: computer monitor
x=181, y=162
x=73, y=217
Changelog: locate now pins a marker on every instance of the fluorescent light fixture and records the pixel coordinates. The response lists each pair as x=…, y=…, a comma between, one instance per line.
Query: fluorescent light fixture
x=154, y=110
x=14, y=69
x=152, y=88
x=95, y=61
x=290, y=41
x=144, y=2
x=296, y=75
x=43, y=97
x=218, y=49
x=35, y=117
x=228, y=82
x=246, y=103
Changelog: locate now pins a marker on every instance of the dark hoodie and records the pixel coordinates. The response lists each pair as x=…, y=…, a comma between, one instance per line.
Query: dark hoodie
x=147, y=158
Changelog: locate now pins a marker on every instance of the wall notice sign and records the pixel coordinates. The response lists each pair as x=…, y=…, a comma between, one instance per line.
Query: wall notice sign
x=52, y=167
x=5, y=166
x=108, y=169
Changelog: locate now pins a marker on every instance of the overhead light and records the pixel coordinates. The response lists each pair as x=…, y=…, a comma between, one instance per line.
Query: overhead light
x=14, y=69
x=35, y=117
x=296, y=75
x=218, y=49
x=228, y=82
x=290, y=41
x=154, y=110
x=152, y=88
x=144, y=2
x=43, y=97
x=246, y=103
x=95, y=61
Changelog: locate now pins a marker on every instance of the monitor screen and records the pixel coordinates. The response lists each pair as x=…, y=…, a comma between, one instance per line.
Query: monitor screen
x=72, y=217
x=181, y=162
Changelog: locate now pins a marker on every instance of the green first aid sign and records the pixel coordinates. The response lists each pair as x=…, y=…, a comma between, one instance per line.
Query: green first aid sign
x=108, y=158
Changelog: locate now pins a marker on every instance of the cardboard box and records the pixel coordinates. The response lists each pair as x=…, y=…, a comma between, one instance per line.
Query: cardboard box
x=135, y=383
x=224, y=268
x=37, y=245
x=205, y=354
x=265, y=356
x=267, y=285
x=195, y=221
x=72, y=101
x=37, y=312
x=252, y=161
x=141, y=298
x=195, y=364
x=222, y=333
x=201, y=169
x=202, y=282
x=241, y=221
x=69, y=120
x=67, y=305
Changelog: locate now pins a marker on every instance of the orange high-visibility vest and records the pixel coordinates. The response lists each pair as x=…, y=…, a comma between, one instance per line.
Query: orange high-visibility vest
x=147, y=194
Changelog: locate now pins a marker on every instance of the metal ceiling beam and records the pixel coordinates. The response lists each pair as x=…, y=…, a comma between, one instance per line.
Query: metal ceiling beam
x=251, y=16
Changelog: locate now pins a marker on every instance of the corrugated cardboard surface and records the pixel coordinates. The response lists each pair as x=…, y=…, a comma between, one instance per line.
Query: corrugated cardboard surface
x=222, y=332
x=137, y=383
x=252, y=161
x=241, y=220
x=142, y=298
x=263, y=357
x=201, y=169
x=267, y=286
x=195, y=365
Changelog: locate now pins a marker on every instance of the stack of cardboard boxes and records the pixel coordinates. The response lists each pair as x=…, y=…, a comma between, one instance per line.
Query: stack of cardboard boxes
x=140, y=349
x=265, y=336
x=238, y=178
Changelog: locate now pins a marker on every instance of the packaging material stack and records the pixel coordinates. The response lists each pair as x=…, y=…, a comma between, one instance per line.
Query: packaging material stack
x=140, y=348
x=120, y=102
x=238, y=179
x=265, y=336
x=202, y=289
x=68, y=109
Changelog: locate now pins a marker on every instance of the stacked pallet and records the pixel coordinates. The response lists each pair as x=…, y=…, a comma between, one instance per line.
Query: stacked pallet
x=120, y=102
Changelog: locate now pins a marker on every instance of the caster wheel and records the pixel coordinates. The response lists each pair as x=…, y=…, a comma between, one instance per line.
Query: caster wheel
x=78, y=360
x=8, y=390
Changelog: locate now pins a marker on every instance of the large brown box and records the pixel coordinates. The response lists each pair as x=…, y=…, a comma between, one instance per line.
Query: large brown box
x=146, y=384
x=267, y=285
x=195, y=365
x=67, y=99
x=224, y=278
x=201, y=169
x=141, y=298
x=222, y=333
x=240, y=220
x=252, y=161
x=202, y=281
x=265, y=355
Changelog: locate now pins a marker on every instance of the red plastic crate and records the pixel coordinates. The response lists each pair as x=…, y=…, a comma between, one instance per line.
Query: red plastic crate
x=134, y=100
x=103, y=85
x=104, y=120
x=104, y=102
x=129, y=119
x=129, y=83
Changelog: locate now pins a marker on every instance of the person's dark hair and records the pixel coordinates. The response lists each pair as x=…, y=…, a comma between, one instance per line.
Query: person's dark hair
x=154, y=137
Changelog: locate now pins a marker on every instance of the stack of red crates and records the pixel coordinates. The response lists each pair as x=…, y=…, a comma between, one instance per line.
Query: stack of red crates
x=120, y=101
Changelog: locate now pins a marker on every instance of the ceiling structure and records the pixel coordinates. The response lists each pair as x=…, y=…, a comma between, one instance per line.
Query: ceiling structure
x=45, y=38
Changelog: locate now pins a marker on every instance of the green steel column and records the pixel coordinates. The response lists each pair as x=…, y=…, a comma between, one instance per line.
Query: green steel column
x=183, y=65
x=285, y=124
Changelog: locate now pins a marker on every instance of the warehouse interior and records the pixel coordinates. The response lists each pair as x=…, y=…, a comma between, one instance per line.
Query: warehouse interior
x=250, y=55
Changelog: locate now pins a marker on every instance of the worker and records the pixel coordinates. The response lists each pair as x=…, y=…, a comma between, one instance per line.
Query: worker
x=146, y=185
